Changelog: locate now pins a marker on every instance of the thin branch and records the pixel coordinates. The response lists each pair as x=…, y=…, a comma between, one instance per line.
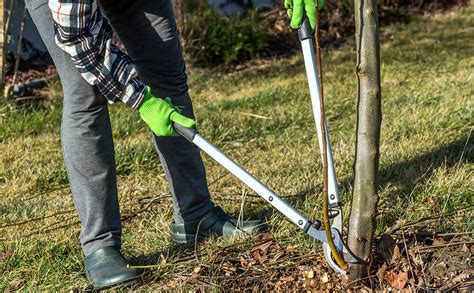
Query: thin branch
x=408, y=254
x=37, y=219
x=256, y=116
x=445, y=245
x=395, y=228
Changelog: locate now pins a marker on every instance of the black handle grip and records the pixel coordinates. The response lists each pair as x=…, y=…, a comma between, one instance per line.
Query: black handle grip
x=305, y=31
x=187, y=133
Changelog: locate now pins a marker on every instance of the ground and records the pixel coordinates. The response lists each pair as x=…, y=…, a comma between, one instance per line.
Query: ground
x=260, y=115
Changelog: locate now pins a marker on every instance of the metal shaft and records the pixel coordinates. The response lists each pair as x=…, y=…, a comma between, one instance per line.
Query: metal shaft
x=313, y=82
x=290, y=212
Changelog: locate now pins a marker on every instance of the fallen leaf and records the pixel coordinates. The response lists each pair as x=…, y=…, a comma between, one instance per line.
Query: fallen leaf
x=262, y=259
x=381, y=272
x=263, y=247
x=16, y=285
x=244, y=262
x=5, y=253
x=275, y=246
x=437, y=240
x=287, y=279
x=308, y=274
x=263, y=237
x=416, y=258
x=291, y=248
x=396, y=253
x=325, y=278
x=397, y=281
x=256, y=254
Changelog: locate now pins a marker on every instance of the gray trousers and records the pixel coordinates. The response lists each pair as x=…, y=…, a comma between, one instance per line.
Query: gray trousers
x=147, y=29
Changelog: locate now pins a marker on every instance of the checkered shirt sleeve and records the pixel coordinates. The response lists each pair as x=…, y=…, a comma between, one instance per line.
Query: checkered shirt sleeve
x=86, y=35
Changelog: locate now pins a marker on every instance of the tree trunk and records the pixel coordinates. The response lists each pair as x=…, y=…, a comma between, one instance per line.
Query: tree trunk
x=180, y=16
x=2, y=45
x=369, y=117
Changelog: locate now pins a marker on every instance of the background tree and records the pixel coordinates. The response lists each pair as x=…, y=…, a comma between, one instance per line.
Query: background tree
x=2, y=43
x=180, y=15
x=369, y=117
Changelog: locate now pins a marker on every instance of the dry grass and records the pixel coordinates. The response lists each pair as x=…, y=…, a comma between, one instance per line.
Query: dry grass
x=426, y=163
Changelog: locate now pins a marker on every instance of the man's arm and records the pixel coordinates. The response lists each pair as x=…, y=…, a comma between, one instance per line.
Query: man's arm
x=83, y=32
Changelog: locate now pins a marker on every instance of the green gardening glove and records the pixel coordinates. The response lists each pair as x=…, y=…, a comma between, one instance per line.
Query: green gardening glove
x=160, y=114
x=296, y=8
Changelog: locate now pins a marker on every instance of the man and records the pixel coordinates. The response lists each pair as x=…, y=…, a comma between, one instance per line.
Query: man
x=93, y=72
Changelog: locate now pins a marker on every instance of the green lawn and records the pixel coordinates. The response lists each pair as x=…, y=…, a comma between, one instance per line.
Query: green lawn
x=426, y=164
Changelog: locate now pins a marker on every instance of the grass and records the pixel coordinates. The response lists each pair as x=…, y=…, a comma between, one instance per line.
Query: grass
x=425, y=166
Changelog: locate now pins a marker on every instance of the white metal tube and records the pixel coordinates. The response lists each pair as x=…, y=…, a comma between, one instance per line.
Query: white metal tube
x=250, y=181
x=314, y=89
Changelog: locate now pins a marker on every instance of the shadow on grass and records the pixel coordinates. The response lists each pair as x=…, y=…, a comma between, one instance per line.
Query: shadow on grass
x=406, y=175
x=264, y=211
x=155, y=258
x=149, y=263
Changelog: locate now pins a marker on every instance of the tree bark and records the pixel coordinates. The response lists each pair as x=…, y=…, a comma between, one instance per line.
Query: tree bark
x=369, y=118
x=180, y=16
x=2, y=44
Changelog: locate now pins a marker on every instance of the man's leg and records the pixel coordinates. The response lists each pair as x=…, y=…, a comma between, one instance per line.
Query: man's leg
x=148, y=31
x=86, y=139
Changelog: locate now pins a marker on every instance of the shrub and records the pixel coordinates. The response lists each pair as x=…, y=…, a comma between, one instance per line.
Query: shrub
x=210, y=39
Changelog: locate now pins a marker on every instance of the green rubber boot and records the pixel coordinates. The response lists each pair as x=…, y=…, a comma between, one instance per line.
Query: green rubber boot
x=215, y=223
x=107, y=267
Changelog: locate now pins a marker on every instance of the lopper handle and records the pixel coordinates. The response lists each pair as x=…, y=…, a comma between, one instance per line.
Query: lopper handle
x=186, y=132
x=305, y=31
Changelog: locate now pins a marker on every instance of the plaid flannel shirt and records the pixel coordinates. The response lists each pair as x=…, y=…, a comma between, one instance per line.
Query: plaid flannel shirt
x=84, y=33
